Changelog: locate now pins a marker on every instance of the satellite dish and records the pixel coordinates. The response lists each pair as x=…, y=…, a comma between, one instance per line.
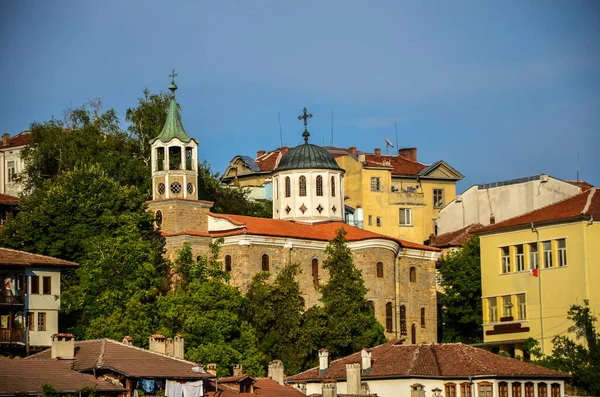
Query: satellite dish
x=388, y=142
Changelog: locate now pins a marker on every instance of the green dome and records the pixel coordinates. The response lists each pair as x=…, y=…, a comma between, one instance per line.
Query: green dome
x=307, y=156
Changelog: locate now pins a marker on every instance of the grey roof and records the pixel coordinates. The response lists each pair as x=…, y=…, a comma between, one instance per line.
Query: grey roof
x=307, y=156
x=508, y=182
x=249, y=161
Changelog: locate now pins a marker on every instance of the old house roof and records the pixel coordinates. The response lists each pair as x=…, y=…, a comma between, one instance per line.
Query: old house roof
x=319, y=231
x=450, y=360
x=8, y=200
x=20, y=139
x=10, y=257
x=454, y=239
x=264, y=387
x=581, y=206
x=28, y=377
x=127, y=360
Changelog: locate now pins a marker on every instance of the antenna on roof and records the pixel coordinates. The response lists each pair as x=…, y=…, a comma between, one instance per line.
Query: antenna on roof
x=331, y=127
x=388, y=143
x=280, y=133
x=396, y=129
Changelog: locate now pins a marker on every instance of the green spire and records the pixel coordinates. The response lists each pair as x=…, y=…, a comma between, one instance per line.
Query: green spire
x=173, y=126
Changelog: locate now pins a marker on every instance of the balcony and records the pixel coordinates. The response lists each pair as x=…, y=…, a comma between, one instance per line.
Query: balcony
x=7, y=298
x=12, y=335
x=400, y=197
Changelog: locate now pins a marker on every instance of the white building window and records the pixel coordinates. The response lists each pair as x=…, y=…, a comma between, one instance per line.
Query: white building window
x=520, y=258
x=375, y=184
x=319, y=185
x=522, y=307
x=333, y=186
x=302, y=186
x=405, y=216
x=562, y=252
x=492, y=310
x=505, y=259
x=547, y=249
x=12, y=171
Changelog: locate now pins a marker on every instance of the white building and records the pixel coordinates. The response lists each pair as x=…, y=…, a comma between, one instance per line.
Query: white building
x=451, y=370
x=494, y=202
x=30, y=298
x=11, y=162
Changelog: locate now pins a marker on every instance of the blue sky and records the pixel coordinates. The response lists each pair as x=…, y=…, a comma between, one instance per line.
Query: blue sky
x=499, y=90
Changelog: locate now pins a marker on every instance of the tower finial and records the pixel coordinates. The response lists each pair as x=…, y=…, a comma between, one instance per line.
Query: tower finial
x=305, y=116
x=173, y=86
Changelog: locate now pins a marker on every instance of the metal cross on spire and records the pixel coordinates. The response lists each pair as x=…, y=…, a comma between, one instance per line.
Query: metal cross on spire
x=305, y=116
x=173, y=86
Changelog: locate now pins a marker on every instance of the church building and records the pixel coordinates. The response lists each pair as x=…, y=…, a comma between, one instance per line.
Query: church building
x=308, y=210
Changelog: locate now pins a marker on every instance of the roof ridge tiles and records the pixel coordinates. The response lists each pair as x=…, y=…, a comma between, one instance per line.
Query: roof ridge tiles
x=589, y=201
x=150, y=351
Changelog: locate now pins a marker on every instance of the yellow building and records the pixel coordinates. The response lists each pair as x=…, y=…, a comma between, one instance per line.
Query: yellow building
x=394, y=195
x=552, y=253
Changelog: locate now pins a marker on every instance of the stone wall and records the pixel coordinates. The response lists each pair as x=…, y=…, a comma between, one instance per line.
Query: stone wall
x=182, y=215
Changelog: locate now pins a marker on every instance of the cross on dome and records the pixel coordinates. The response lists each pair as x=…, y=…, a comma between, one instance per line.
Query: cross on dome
x=305, y=116
x=173, y=86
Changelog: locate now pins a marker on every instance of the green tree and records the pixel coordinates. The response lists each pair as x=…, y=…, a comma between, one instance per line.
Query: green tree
x=350, y=323
x=580, y=357
x=460, y=278
x=275, y=311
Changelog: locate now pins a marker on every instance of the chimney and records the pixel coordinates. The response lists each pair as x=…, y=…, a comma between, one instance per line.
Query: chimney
x=329, y=388
x=5, y=138
x=352, y=150
x=323, y=361
x=179, y=348
x=361, y=158
x=211, y=368
x=365, y=356
x=157, y=343
x=492, y=219
x=377, y=152
x=128, y=340
x=169, y=347
x=284, y=150
x=353, y=378
x=276, y=371
x=409, y=153
x=260, y=153
x=63, y=346
x=237, y=369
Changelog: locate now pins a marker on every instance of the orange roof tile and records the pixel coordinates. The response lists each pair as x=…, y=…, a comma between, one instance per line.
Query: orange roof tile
x=454, y=239
x=400, y=165
x=20, y=139
x=10, y=257
x=394, y=360
x=582, y=184
x=263, y=387
x=580, y=206
x=8, y=200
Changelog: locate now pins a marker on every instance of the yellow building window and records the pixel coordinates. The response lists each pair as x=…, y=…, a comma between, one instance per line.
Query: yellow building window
x=506, y=306
x=520, y=258
x=562, y=252
x=533, y=256
x=438, y=198
x=379, y=221
x=547, y=251
x=505, y=259
x=522, y=307
x=375, y=184
x=492, y=310
x=405, y=217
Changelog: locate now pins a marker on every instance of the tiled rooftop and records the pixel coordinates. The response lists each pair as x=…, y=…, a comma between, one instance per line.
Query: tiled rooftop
x=454, y=239
x=20, y=139
x=10, y=257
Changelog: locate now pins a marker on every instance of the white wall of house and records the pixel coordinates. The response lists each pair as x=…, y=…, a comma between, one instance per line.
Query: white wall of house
x=8, y=157
x=477, y=205
x=48, y=304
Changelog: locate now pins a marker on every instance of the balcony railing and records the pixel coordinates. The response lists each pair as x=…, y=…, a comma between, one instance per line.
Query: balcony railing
x=11, y=335
x=7, y=298
x=408, y=198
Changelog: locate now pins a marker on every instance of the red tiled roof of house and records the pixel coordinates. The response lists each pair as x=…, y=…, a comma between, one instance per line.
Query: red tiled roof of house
x=8, y=200
x=22, y=377
x=10, y=257
x=20, y=139
x=400, y=165
x=128, y=360
x=582, y=184
x=319, y=231
x=269, y=160
x=454, y=239
x=452, y=360
x=580, y=206
x=263, y=387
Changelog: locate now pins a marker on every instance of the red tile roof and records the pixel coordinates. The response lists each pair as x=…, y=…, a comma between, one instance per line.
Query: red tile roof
x=454, y=239
x=263, y=387
x=580, y=206
x=20, y=139
x=28, y=377
x=269, y=160
x=400, y=165
x=319, y=231
x=8, y=200
x=10, y=257
x=128, y=360
x=582, y=184
x=451, y=360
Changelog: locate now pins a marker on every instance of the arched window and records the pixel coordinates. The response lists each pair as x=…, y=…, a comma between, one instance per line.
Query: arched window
x=529, y=389
x=319, y=185
x=288, y=187
x=302, y=186
x=502, y=389
x=555, y=390
x=516, y=389
x=227, y=263
x=422, y=317
x=380, y=269
x=389, y=321
x=403, y=330
x=160, y=159
x=465, y=390
x=450, y=389
x=265, y=263
x=315, y=271
x=413, y=334
x=484, y=389
x=371, y=305
x=333, y=186
x=413, y=274
x=542, y=390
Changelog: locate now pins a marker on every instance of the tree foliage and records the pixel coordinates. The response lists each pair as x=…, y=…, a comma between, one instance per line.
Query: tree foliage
x=460, y=278
x=580, y=357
